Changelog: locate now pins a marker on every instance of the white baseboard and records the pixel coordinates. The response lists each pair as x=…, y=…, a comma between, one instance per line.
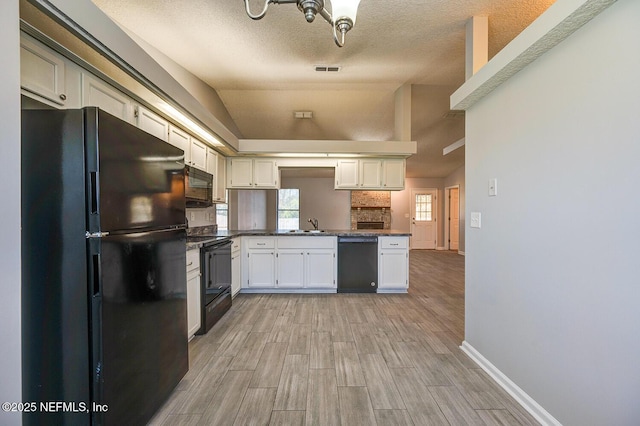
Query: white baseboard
x=441, y=248
x=460, y=252
x=511, y=388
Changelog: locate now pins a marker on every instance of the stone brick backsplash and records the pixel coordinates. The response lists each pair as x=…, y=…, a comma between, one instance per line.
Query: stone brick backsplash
x=370, y=215
x=371, y=206
x=371, y=199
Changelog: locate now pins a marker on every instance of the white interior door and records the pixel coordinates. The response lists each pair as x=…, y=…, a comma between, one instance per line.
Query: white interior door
x=454, y=219
x=423, y=218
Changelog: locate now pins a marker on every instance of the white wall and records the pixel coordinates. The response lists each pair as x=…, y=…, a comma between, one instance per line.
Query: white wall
x=553, y=276
x=10, y=350
x=318, y=199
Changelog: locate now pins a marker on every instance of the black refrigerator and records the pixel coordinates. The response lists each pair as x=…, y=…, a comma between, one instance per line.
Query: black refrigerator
x=104, y=321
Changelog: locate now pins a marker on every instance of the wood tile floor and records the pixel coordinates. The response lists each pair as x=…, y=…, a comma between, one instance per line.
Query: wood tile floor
x=343, y=359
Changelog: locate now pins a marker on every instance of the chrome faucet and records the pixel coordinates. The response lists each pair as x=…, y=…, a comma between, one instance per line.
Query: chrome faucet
x=314, y=222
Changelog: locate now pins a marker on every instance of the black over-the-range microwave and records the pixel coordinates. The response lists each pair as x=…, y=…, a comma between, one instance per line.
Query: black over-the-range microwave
x=198, y=189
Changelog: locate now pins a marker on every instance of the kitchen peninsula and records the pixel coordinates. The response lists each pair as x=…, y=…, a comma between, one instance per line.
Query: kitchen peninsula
x=306, y=261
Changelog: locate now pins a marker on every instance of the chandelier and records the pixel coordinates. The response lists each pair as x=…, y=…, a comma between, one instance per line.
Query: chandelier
x=342, y=18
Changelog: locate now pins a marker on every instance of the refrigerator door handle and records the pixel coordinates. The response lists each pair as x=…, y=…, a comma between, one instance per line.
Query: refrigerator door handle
x=95, y=234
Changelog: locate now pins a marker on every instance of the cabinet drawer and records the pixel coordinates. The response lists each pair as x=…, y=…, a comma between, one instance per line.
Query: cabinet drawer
x=295, y=242
x=193, y=259
x=261, y=243
x=393, y=242
x=235, y=246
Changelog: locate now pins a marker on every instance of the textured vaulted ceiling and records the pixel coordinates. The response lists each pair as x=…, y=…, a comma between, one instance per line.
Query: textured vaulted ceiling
x=264, y=70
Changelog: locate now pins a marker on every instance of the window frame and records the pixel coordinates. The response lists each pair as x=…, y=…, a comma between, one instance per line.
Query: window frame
x=279, y=209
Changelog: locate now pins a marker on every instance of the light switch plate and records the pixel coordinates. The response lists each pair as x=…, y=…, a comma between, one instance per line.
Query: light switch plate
x=493, y=187
x=476, y=220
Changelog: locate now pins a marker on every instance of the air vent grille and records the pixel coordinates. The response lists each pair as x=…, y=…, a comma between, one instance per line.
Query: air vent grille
x=327, y=68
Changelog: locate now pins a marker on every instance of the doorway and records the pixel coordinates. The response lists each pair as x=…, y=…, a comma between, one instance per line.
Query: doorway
x=452, y=213
x=423, y=218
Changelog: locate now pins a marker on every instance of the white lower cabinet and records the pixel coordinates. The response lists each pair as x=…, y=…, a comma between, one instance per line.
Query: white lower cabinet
x=393, y=264
x=236, y=266
x=262, y=268
x=193, y=292
x=290, y=263
x=290, y=268
x=320, y=268
x=261, y=262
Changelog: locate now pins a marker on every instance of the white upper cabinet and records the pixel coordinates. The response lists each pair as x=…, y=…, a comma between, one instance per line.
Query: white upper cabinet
x=370, y=174
x=212, y=163
x=347, y=174
x=97, y=93
x=220, y=189
x=216, y=165
x=198, y=154
x=252, y=173
x=152, y=123
x=265, y=173
x=393, y=172
x=42, y=72
x=181, y=139
x=240, y=173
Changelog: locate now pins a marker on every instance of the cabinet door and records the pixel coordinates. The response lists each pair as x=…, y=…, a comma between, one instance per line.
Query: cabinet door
x=212, y=163
x=321, y=269
x=198, y=154
x=193, y=303
x=393, y=269
x=42, y=72
x=393, y=174
x=347, y=174
x=290, y=270
x=220, y=193
x=240, y=173
x=152, y=123
x=261, y=269
x=236, y=270
x=99, y=94
x=181, y=139
x=265, y=173
x=370, y=173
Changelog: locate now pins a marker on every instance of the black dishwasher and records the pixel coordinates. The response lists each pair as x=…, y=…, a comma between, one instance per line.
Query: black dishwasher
x=357, y=264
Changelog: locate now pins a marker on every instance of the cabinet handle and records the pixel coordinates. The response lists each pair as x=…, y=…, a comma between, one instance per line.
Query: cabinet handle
x=63, y=96
x=190, y=263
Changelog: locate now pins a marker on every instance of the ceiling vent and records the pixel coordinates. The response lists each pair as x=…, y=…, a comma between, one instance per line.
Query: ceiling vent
x=302, y=114
x=327, y=68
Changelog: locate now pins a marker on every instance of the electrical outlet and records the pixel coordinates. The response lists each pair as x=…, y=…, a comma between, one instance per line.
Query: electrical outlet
x=192, y=216
x=476, y=220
